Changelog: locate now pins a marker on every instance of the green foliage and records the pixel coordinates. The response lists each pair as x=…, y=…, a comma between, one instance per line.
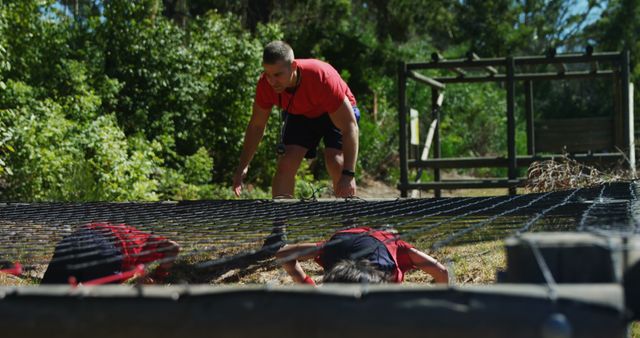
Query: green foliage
x=230, y=63
x=39, y=38
x=128, y=100
x=502, y=27
x=307, y=186
x=475, y=118
x=4, y=60
x=197, y=167
x=6, y=116
x=63, y=160
x=618, y=29
x=377, y=149
x=121, y=167
x=6, y=138
x=46, y=158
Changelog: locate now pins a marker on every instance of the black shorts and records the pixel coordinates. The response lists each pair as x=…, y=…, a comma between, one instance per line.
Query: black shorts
x=307, y=132
x=349, y=246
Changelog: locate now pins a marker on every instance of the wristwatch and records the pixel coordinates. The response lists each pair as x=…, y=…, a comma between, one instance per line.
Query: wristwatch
x=349, y=173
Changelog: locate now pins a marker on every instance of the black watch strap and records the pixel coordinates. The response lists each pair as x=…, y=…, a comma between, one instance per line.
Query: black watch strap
x=347, y=172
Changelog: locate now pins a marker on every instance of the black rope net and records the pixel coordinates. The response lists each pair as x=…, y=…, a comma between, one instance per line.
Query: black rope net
x=222, y=241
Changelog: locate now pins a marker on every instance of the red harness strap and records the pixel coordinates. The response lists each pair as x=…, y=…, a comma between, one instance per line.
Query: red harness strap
x=16, y=270
x=119, y=277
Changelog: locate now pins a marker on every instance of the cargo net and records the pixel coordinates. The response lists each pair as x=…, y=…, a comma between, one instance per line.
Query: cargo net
x=232, y=241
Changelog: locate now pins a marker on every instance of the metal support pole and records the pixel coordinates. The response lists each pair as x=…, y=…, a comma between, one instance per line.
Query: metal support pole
x=435, y=110
x=528, y=106
x=402, y=122
x=511, y=122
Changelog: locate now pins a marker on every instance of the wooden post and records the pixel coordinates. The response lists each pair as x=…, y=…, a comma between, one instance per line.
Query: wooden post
x=435, y=111
x=528, y=106
x=402, y=122
x=632, y=138
x=511, y=123
x=627, y=116
x=375, y=107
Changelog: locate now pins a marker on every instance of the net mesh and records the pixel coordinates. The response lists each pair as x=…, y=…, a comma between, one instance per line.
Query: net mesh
x=219, y=236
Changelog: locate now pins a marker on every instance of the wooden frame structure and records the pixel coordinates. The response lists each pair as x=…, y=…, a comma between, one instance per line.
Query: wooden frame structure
x=516, y=69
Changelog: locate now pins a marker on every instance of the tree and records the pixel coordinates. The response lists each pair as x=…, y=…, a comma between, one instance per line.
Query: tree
x=6, y=116
x=618, y=29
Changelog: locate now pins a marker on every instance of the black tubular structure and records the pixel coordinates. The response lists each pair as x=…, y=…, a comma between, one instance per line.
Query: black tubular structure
x=522, y=311
x=511, y=71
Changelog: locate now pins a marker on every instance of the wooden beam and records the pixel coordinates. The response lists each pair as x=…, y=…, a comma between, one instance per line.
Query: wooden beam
x=471, y=56
x=502, y=162
x=426, y=80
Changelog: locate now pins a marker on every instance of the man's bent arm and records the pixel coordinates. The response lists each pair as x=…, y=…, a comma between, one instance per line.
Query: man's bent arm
x=345, y=120
x=252, y=137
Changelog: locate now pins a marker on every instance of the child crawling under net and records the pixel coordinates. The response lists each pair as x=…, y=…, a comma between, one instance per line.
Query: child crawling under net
x=360, y=255
x=104, y=253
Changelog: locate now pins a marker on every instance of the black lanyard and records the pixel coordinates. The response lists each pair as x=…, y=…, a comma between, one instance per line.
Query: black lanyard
x=284, y=115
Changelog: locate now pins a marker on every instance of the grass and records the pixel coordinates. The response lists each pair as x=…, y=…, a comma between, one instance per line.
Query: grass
x=635, y=330
x=475, y=263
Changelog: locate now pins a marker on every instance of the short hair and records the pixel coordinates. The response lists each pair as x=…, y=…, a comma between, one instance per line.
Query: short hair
x=351, y=271
x=277, y=51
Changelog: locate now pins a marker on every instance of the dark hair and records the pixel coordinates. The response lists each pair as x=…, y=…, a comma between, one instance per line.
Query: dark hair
x=350, y=271
x=277, y=51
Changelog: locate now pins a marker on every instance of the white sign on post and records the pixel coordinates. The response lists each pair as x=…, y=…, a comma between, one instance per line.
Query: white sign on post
x=415, y=127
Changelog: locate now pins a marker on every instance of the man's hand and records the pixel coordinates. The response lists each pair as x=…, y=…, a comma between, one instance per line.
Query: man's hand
x=239, y=175
x=346, y=187
x=252, y=136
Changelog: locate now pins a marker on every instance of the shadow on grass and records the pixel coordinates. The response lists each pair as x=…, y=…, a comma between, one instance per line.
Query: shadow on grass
x=229, y=270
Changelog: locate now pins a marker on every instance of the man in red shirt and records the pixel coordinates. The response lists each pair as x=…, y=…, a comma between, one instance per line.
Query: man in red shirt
x=317, y=105
x=98, y=253
x=360, y=255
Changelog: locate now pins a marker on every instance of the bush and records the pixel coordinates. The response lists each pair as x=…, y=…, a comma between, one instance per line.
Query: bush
x=197, y=167
x=62, y=160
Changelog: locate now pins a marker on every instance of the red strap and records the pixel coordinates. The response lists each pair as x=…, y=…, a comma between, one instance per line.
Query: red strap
x=16, y=270
x=308, y=280
x=122, y=276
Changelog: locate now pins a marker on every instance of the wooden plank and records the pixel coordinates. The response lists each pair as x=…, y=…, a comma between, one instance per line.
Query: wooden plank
x=586, y=122
x=501, y=162
x=467, y=184
x=575, y=135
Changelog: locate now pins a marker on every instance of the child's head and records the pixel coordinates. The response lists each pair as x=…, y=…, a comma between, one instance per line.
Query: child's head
x=351, y=271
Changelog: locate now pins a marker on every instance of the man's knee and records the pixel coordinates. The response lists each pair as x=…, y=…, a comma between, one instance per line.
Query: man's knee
x=289, y=163
x=333, y=156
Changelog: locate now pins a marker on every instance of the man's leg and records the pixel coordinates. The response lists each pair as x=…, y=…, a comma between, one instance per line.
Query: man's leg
x=282, y=187
x=285, y=178
x=334, y=160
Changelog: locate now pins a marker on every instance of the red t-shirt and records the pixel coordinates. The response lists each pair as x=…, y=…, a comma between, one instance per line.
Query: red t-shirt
x=321, y=90
x=137, y=247
x=398, y=249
